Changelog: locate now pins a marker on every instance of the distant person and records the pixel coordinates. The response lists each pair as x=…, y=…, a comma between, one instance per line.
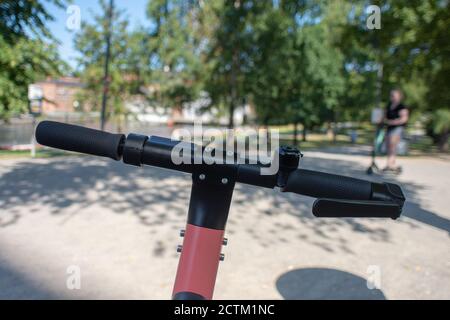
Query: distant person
x=396, y=118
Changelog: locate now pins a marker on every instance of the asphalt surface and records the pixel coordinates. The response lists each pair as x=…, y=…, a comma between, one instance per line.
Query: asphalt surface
x=117, y=227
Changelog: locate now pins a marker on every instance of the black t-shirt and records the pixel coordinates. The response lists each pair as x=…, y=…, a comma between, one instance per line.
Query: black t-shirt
x=392, y=114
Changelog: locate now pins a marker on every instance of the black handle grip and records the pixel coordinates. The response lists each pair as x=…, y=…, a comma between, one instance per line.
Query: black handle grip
x=79, y=139
x=324, y=185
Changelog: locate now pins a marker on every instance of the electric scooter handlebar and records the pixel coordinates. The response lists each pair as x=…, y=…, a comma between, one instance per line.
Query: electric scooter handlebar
x=338, y=196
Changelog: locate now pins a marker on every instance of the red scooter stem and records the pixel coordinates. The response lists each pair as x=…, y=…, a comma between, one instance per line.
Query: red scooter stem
x=209, y=205
x=199, y=261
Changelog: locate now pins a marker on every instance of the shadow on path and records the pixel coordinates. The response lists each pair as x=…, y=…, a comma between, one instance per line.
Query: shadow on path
x=85, y=181
x=14, y=285
x=156, y=196
x=325, y=284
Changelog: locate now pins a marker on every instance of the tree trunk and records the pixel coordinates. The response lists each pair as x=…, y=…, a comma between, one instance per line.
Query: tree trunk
x=379, y=86
x=231, y=115
x=334, y=132
x=266, y=123
x=330, y=130
x=304, y=133
x=106, y=79
x=295, y=133
x=443, y=141
x=234, y=66
x=335, y=126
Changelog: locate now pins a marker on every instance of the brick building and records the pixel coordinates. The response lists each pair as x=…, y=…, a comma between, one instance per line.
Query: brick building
x=59, y=95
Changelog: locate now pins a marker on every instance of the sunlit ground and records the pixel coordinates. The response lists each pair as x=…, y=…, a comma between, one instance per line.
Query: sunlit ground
x=119, y=225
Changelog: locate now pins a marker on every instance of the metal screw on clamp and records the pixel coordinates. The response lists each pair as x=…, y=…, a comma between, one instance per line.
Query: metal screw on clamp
x=224, y=180
x=182, y=232
x=224, y=241
x=179, y=248
x=222, y=257
x=202, y=177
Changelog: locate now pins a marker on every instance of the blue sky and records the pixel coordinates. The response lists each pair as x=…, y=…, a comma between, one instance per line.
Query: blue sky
x=135, y=9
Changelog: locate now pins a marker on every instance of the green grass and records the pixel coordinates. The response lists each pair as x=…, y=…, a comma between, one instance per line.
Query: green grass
x=317, y=141
x=425, y=146
x=40, y=153
x=419, y=147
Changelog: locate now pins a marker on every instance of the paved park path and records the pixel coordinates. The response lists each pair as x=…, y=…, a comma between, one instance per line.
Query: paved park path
x=119, y=225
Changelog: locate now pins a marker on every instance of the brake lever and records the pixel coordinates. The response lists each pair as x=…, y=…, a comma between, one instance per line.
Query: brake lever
x=339, y=208
x=388, y=201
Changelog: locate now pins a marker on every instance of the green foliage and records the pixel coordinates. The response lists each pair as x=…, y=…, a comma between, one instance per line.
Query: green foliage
x=438, y=128
x=175, y=51
x=27, y=52
x=230, y=50
x=413, y=47
x=440, y=121
x=23, y=63
x=309, y=61
x=90, y=43
x=297, y=71
x=20, y=18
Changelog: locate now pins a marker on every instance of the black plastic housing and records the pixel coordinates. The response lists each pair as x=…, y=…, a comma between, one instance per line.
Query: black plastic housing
x=133, y=149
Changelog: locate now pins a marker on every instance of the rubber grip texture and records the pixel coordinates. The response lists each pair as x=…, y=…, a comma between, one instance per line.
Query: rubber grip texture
x=324, y=185
x=79, y=139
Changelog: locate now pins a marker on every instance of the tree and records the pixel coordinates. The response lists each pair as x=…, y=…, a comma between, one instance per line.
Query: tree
x=174, y=44
x=231, y=51
x=90, y=43
x=27, y=52
x=412, y=49
x=431, y=55
x=296, y=74
x=269, y=79
x=19, y=19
